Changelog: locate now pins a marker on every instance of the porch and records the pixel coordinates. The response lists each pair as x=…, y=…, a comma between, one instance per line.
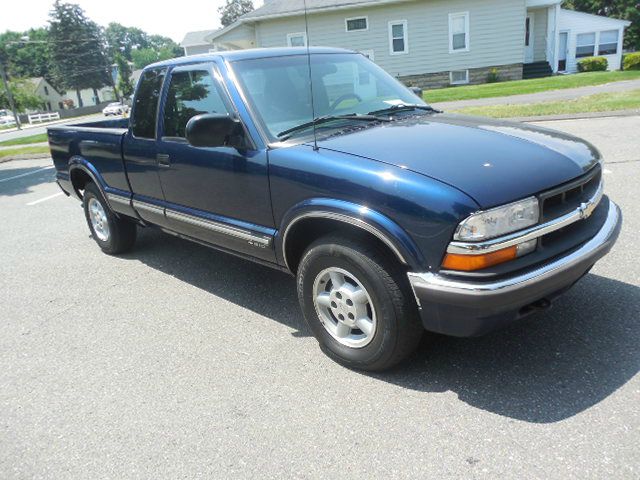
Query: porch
x=540, y=38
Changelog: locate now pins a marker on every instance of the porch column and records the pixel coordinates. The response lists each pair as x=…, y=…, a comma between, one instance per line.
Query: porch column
x=553, y=33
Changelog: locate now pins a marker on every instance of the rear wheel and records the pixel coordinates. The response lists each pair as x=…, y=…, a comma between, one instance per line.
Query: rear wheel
x=358, y=303
x=112, y=234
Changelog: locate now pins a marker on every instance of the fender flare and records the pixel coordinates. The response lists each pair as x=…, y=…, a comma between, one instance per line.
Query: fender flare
x=386, y=230
x=79, y=163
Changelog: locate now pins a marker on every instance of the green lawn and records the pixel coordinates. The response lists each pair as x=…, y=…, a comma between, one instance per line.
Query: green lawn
x=11, y=152
x=505, y=89
x=42, y=137
x=602, y=102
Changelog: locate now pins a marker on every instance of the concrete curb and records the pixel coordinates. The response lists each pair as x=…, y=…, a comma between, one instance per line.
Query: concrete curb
x=577, y=116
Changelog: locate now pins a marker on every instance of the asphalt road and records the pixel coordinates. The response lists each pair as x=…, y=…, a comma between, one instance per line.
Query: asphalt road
x=175, y=361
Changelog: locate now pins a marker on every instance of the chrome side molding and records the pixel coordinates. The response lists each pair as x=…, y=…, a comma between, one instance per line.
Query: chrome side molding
x=261, y=241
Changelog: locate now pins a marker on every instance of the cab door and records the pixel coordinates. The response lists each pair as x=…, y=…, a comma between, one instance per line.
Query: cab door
x=219, y=195
x=140, y=148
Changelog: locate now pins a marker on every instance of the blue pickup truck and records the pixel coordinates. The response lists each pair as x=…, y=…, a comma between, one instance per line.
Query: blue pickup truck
x=394, y=217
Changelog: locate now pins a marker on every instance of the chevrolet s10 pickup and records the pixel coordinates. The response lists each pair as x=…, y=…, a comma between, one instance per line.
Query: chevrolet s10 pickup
x=394, y=217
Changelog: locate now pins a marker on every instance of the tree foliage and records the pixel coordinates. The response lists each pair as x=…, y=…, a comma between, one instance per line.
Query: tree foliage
x=623, y=9
x=77, y=49
x=26, y=54
x=126, y=40
x=146, y=56
x=24, y=96
x=125, y=85
x=230, y=11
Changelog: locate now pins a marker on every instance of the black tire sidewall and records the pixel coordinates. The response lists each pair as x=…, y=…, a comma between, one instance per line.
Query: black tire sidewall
x=382, y=345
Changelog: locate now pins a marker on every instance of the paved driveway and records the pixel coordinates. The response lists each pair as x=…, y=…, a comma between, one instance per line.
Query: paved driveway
x=178, y=362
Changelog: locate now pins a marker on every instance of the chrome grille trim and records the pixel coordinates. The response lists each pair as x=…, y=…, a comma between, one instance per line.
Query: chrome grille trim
x=476, y=248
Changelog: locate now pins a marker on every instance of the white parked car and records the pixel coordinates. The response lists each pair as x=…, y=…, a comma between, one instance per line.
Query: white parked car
x=6, y=118
x=115, y=108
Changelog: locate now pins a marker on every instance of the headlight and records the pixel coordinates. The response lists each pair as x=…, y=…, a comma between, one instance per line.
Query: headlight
x=499, y=221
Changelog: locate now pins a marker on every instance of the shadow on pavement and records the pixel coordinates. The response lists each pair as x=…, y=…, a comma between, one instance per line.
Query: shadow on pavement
x=22, y=185
x=545, y=369
x=266, y=291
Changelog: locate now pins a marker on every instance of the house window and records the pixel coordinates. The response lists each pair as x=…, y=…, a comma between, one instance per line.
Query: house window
x=46, y=90
x=608, y=44
x=459, y=32
x=355, y=24
x=398, y=38
x=459, y=77
x=297, y=39
x=585, y=45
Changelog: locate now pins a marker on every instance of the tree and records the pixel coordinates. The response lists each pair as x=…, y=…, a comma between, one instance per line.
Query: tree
x=146, y=56
x=623, y=9
x=77, y=47
x=233, y=9
x=125, y=86
x=122, y=40
x=26, y=54
x=23, y=94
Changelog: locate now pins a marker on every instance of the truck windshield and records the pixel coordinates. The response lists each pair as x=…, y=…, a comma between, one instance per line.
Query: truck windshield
x=343, y=84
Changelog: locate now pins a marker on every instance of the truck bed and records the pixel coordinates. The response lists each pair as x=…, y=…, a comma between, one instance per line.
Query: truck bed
x=97, y=145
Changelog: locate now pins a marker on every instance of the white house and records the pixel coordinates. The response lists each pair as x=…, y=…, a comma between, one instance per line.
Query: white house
x=432, y=43
x=583, y=35
x=195, y=43
x=51, y=99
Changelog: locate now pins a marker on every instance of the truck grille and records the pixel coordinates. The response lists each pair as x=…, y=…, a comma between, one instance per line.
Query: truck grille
x=566, y=198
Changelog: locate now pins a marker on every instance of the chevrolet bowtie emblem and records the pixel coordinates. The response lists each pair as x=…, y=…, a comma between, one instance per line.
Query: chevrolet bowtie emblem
x=586, y=209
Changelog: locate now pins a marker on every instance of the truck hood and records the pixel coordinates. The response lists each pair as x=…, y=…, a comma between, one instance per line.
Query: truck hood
x=494, y=162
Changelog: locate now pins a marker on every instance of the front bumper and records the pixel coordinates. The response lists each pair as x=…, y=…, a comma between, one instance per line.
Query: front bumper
x=469, y=308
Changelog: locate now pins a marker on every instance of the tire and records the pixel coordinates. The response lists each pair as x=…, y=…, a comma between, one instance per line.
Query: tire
x=119, y=235
x=390, y=313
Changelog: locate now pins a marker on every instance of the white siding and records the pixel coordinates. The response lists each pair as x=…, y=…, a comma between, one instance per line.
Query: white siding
x=197, y=49
x=577, y=22
x=539, y=34
x=496, y=34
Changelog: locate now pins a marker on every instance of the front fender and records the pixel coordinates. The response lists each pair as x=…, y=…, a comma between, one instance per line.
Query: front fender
x=360, y=216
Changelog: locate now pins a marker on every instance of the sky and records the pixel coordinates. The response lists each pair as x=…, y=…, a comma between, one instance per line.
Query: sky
x=171, y=19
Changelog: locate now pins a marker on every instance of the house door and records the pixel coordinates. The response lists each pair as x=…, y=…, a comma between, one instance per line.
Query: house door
x=528, y=39
x=562, y=51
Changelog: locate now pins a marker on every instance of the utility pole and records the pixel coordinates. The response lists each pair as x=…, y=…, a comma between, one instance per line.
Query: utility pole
x=12, y=105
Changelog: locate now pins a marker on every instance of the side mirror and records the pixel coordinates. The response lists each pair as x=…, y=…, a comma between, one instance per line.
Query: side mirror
x=212, y=130
x=417, y=91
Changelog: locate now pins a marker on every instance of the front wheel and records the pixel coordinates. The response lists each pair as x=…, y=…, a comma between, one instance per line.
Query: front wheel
x=112, y=234
x=358, y=303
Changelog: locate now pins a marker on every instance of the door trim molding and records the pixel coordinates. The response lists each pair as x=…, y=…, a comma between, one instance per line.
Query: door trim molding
x=256, y=240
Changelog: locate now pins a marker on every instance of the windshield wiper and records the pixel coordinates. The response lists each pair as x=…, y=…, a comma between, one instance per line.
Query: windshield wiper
x=401, y=107
x=331, y=118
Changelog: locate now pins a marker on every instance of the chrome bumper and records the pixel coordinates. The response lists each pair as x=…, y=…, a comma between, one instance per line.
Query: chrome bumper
x=480, y=299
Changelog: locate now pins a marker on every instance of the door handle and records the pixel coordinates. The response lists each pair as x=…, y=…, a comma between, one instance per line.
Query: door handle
x=163, y=160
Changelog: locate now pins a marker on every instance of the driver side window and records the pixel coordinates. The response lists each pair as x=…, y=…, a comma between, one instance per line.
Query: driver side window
x=191, y=93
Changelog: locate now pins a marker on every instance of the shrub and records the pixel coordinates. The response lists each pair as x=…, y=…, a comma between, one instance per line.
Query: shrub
x=632, y=61
x=593, y=64
x=493, y=76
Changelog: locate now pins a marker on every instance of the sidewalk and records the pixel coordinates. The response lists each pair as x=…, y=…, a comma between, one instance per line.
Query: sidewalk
x=548, y=96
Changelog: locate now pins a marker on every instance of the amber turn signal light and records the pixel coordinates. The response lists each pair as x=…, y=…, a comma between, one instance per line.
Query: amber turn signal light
x=468, y=263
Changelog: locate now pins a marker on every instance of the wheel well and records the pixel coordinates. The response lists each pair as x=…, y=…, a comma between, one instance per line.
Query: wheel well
x=79, y=180
x=304, y=232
